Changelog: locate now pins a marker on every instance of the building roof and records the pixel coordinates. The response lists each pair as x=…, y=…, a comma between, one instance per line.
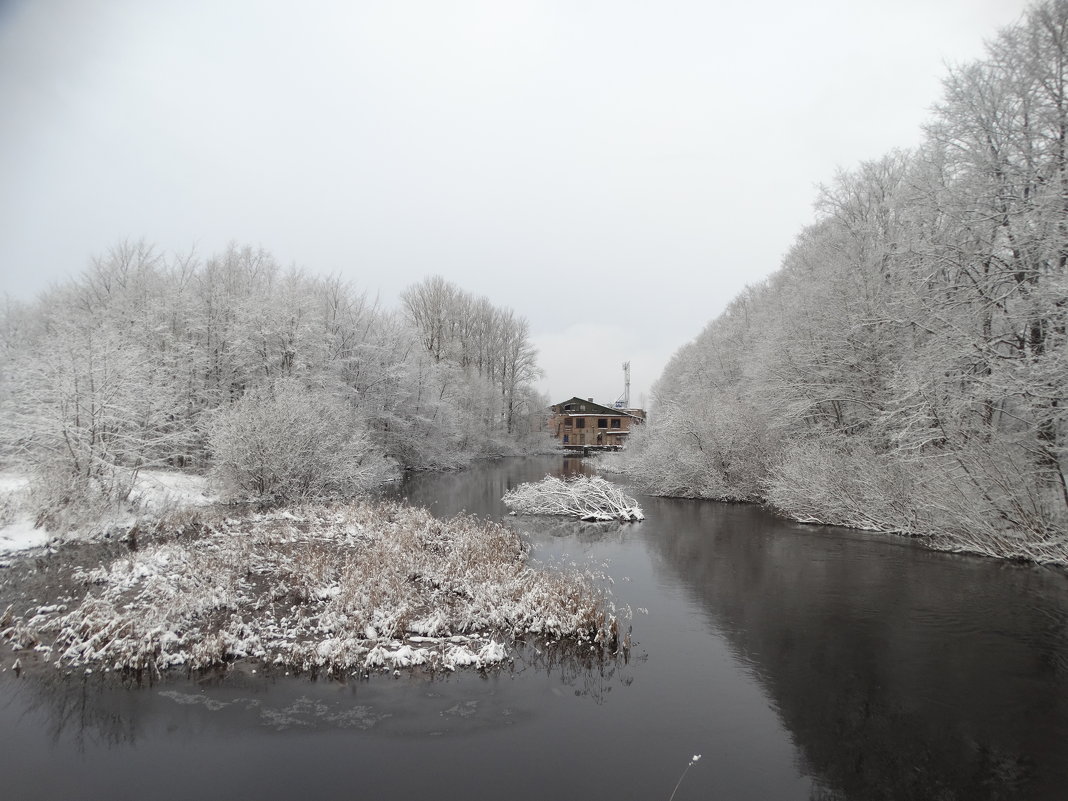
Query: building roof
x=583, y=406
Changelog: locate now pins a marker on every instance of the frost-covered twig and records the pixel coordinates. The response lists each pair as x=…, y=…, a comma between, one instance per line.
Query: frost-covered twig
x=584, y=497
x=693, y=761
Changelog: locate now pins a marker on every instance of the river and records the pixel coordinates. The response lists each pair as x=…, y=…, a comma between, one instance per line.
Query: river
x=800, y=662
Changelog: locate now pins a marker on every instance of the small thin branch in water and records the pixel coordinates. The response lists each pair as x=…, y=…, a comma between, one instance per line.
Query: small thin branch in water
x=693, y=761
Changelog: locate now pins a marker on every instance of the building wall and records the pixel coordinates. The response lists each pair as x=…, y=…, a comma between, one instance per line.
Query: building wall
x=578, y=428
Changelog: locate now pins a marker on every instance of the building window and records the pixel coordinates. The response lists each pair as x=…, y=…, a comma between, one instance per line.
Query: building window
x=566, y=438
x=580, y=422
x=615, y=423
x=567, y=422
x=602, y=422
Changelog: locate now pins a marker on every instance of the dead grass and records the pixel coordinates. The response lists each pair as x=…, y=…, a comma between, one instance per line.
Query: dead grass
x=339, y=588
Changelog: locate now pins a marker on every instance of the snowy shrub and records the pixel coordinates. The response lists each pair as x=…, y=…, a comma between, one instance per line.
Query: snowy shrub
x=956, y=500
x=814, y=482
x=585, y=497
x=983, y=499
x=286, y=442
x=708, y=450
x=9, y=507
x=64, y=499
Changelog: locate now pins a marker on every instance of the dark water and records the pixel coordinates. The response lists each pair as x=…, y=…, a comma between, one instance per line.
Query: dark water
x=799, y=662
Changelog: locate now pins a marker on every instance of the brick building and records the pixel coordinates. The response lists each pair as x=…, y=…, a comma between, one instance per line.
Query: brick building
x=581, y=423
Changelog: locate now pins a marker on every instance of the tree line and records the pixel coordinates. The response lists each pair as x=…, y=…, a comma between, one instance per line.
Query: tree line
x=151, y=360
x=906, y=368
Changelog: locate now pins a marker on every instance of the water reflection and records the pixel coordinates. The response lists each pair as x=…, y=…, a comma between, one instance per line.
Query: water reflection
x=479, y=489
x=70, y=709
x=80, y=712
x=900, y=673
x=539, y=529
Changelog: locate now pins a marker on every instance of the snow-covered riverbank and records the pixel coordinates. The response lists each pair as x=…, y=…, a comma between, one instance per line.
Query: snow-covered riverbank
x=354, y=587
x=155, y=493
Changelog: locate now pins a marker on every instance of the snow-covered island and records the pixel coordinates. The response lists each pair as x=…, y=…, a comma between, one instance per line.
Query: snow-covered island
x=356, y=587
x=589, y=498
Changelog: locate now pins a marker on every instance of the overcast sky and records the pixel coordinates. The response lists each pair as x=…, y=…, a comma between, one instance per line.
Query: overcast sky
x=614, y=171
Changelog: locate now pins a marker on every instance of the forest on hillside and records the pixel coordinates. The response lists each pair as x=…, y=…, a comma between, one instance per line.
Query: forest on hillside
x=906, y=369
x=284, y=385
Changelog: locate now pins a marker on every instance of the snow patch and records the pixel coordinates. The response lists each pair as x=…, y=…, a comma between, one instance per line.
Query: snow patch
x=154, y=492
x=22, y=535
x=167, y=489
x=13, y=482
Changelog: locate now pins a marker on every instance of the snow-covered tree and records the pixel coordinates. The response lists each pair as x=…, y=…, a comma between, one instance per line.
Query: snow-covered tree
x=285, y=441
x=907, y=367
x=137, y=361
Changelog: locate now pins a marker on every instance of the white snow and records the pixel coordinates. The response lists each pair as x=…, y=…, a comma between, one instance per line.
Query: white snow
x=155, y=491
x=21, y=535
x=588, y=498
x=17, y=529
x=12, y=482
x=158, y=489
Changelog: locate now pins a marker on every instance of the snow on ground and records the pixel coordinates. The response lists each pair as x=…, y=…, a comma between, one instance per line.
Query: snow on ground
x=12, y=482
x=156, y=492
x=158, y=489
x=20, y=535
x=17, y=530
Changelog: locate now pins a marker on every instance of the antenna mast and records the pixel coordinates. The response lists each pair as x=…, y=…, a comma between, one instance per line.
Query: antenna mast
x=626, y=385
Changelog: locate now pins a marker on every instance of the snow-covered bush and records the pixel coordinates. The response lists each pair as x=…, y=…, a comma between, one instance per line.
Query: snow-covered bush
x=63, y=499
x=584, y=497
x=285, y=442
x=9, y=504
x=815, y=482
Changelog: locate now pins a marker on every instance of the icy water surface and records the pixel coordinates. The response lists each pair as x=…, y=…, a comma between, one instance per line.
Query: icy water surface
x=800, y=663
